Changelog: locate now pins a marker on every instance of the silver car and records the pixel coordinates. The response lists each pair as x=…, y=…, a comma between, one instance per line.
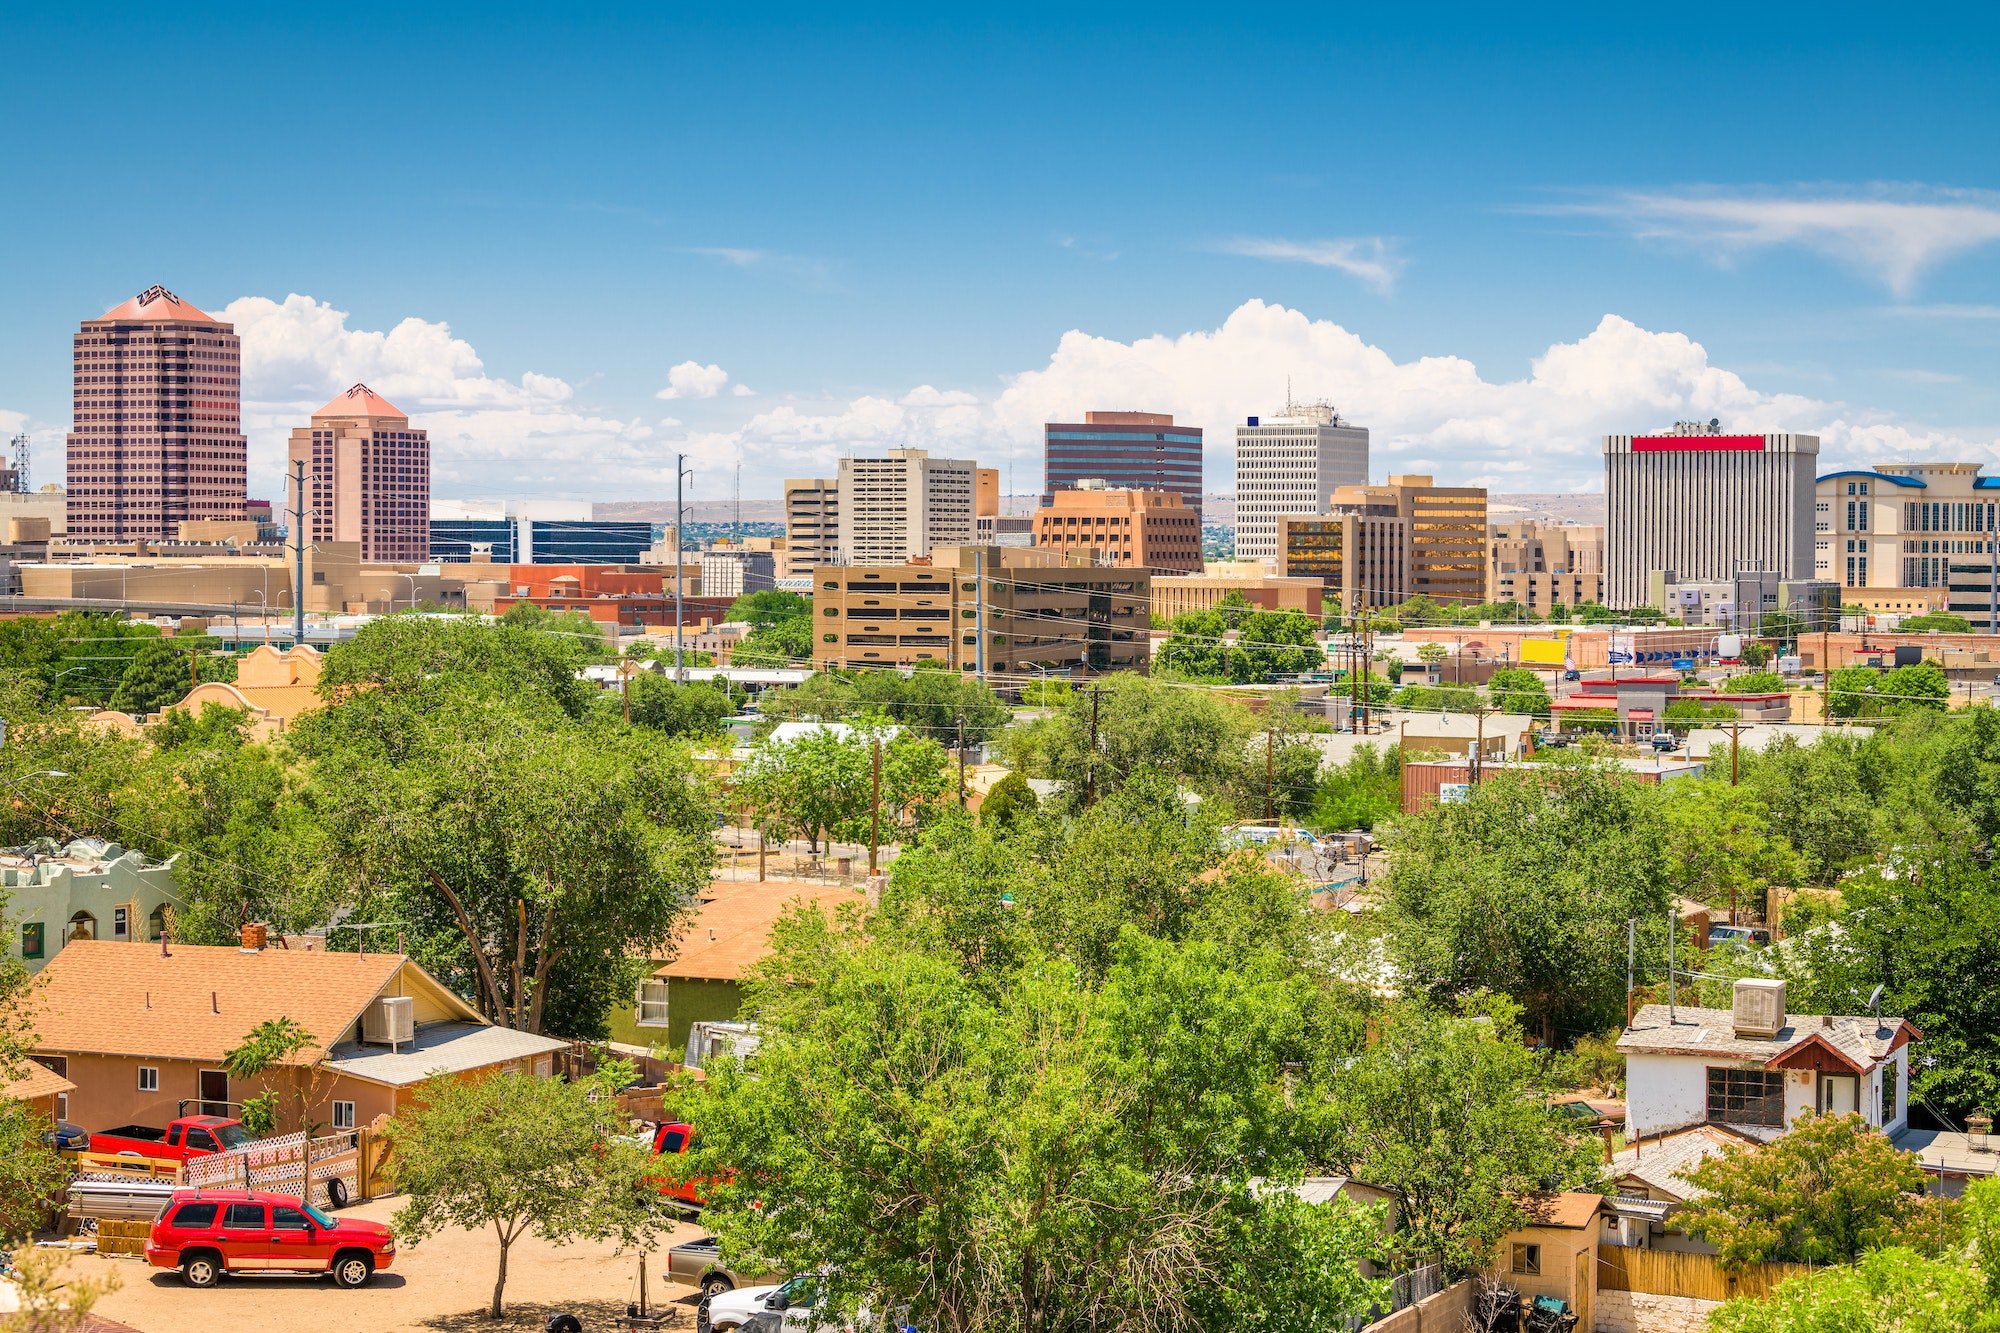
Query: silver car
x=699, y=1264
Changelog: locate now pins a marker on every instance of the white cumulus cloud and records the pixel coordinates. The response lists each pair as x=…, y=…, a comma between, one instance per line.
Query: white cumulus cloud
x=691, y=379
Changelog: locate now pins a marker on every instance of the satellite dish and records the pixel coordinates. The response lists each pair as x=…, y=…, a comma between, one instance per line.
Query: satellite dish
x=1875, y=1002
x=1715, y=423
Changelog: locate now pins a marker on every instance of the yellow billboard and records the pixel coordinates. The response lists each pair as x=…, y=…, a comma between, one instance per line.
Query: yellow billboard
x=1547, y=652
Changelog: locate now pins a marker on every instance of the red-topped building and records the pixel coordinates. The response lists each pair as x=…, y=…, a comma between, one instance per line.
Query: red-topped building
x=368, y=477
x=157, y=434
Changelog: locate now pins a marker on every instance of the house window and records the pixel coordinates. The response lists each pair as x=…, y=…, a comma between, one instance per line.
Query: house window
x=1527, y=1259
x=343, y=1115
x=1746, y=1097
x=149, y=1078
x=121, y=923
x=31, y=939
x=652, y=1004
x=1889, y=1070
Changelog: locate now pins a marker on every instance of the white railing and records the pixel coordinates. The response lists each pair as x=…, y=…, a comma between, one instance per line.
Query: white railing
x=279, y=1164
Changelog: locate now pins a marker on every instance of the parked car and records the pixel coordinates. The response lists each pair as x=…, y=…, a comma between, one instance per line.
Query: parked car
x=1572, y=674
x=1737, y=937
x=182, y=1140
x=1553, y=740
x=791, y=1309
x=672, y=1139
x=206, y=1233
x=699, y=1264
x=65, y=1137
x=733, y=1309
x=1665, y=741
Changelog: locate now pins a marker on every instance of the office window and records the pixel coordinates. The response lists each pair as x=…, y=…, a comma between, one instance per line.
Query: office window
x=343, y=1115
x=149, y=1078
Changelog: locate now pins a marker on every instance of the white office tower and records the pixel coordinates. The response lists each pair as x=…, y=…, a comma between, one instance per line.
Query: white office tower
x=895, y=509
x=1290, y=464
x=1704, y=506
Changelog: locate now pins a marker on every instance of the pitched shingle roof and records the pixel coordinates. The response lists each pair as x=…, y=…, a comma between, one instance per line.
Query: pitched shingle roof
x=196, y=1002
x=1661, y=1164
x=35, y=1080
x=732, y=932
x=1863, y=1040
x=1562, y=1210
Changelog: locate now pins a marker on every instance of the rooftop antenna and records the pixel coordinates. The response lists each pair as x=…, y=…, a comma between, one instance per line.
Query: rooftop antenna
x=20, y=451
x=736, y=537
x=1875, y=1006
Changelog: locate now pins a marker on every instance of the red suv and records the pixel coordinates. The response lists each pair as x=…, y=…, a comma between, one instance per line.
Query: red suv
x=206, y=1233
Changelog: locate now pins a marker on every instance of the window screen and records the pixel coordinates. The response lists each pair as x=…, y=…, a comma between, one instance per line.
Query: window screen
x=1746, y=1097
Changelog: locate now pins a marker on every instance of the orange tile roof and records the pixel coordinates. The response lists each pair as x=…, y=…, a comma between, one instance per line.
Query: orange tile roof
x=1562, y=1210
x=156, y=305
x=108, y=997
x=36, y=1080
x=361, y=401
x=732, y=932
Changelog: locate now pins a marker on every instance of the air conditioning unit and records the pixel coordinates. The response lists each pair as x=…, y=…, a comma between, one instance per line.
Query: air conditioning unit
x=390, y=1021
x=1759, y=1007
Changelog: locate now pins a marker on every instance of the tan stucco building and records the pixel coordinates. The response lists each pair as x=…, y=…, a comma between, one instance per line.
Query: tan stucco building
x=1541, y=565
x=1133, y=529
x=1174, y=594
x=368, y=477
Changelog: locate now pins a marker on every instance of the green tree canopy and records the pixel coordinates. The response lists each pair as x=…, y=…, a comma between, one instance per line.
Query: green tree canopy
x=769, y=607
x=1755, y=682
x=1825, y=1193
x=821, y=785
x=1520, y=691
x=1943, y=622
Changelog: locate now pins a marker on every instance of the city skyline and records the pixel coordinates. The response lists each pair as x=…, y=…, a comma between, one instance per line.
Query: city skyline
x=906, y=241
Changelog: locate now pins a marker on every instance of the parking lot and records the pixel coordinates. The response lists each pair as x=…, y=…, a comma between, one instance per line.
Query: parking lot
x=443, y=1284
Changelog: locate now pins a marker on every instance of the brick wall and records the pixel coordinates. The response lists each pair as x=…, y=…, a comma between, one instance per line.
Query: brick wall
x=1446, y=1312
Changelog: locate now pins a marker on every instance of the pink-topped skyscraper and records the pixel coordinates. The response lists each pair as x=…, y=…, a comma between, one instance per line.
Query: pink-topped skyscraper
x=368, y=477
x=157, y=436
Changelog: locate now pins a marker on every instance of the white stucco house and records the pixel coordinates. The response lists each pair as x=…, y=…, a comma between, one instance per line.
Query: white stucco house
x=1754, y=1068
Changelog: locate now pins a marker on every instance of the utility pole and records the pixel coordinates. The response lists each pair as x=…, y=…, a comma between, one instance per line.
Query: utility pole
x=961, y=757
x=1353, y=677
x=298, y=553
x=194, y=669
x=1091, y=761
x=1631, y=963
x=681, y=474
x=1673, y=933
x=1735, y=731
x=1479, y=741
x=1270, y=773
x=625, y=688
x=1368, y=673
x=1825, y=666
x=875, y=805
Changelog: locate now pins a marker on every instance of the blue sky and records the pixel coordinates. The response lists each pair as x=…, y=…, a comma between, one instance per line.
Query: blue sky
x=872, y=225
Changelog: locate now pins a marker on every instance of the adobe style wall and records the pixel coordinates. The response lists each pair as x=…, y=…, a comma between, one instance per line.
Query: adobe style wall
x=1637, y=1312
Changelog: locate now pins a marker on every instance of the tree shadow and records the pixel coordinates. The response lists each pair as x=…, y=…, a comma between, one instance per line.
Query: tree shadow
x=594, y=1315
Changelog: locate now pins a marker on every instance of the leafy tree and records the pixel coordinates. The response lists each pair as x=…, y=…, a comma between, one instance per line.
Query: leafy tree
x=1784, y=626
x=48, y=1297
x=1010, y=801
x=1524, y=889
x=1818, y=796
x=1755, y=682
x=821, y=785
x=31, y=1174
x=1430, y=654
x=1685, y=714
x=1045, y=692
x=1940, y=622
x=159, y=675
x=282, y=1052
x=585, y=633
x=1520, y=691
x=1140, y=724
x=1278, y=643
x=1233, y=607
x=1361, y=793
x=697, y=708
x=521, y=1154
x=1195, y=649
x=534, y=856
x=1825, y=1193
x=1754, y=655
x=1893, y=1288
x=933, y=701
x=1047, y=1154
x=769, y=607
x=1865, y=692
x=1438, y=698
x=522, y=658
x=783, y=644
x=1447, y=1109
x=1721, y=847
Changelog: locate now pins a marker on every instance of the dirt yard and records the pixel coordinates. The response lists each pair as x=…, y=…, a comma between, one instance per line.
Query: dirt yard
x=444, y=1284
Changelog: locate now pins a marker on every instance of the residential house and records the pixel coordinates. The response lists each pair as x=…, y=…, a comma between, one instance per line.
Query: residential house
x=88, y=889
x=1554, y=1253
x=1755, y=1068
x=44, y=1090
x=141, y=1033
x=703, y=980
x=1651, y=1177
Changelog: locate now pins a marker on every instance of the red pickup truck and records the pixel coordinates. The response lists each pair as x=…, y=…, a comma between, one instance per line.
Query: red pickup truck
x=671, y=1140
x=187, y=1138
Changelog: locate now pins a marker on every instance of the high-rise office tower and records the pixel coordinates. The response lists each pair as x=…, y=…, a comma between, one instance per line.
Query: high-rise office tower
x=157, y=437
x=896, y=508
x=1704, y=507
x=1290, y=464
x=368, y=477
x=1376, y=546
x=812, y=524
x=1141, y=451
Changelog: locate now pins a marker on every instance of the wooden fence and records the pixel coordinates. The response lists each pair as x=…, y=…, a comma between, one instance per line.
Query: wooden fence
x=1672, y=1273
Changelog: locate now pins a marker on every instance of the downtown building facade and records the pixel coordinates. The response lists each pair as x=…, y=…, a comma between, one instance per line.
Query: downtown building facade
x=1038, y=614
x=1291, y=464
x=1376, y=546
x=1911, y=533
x=812, y=524
x=895, y=508
x=1700, y=507
x=157, y=421
x=1543, y=565
x=534, y=532
x=367, y=477
x=1141, y=451
x=1097, y=524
